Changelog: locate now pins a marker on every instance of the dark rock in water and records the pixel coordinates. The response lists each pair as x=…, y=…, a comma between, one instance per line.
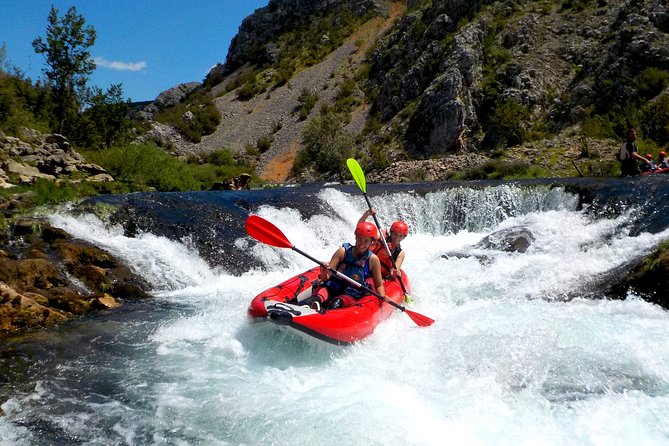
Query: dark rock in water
x=483, y=260
x=509, y=240
x=649, y=277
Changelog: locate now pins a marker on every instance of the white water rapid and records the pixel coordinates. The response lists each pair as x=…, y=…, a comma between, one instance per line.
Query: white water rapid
x=516, y=356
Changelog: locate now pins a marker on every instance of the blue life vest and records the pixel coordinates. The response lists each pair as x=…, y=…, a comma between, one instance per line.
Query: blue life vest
x=357, y=269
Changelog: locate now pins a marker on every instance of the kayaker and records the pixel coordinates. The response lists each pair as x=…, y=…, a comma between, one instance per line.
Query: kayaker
x=355, y=261
x=650, y=165
x=662, y=160
x=398, y=232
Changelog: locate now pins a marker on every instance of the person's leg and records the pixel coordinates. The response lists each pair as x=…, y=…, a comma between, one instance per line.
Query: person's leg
x=318, y=299
x=339, y=301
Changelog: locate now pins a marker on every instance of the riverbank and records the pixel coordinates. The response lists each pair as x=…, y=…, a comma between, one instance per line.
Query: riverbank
x=47, y=277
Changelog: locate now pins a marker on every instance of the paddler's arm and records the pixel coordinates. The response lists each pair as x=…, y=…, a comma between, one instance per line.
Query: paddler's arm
x=375, y=267
x=336, y=259
x=368, y=213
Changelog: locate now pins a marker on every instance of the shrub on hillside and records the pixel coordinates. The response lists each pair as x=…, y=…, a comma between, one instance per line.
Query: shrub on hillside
x=221, y=157
x=205, y=117
x=507, y=124
x=651, y=81
x=307, y=100
x=145, y=166
x=655, y=124
x=326, y=144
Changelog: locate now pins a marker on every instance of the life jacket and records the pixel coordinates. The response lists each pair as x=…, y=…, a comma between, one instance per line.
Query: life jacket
x=357, y=268
x=626, y=150
x=378, y=249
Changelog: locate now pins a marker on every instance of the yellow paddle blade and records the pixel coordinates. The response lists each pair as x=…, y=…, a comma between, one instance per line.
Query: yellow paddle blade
x=358, y=174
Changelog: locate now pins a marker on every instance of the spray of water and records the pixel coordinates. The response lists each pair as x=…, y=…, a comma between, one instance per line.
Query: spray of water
x=509, y=361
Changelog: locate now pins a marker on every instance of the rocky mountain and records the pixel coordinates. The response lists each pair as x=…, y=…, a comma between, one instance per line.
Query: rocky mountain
x=449, y=83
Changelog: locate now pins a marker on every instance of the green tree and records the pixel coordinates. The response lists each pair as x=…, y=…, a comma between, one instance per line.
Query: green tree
x=326, y=144
x=69, y=62
x=107, y=115
x=655, y=124
x=21, y=103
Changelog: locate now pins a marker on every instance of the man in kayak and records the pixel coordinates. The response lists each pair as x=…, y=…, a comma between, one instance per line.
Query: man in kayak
x=398, y=232
x=650, y=166
x=355, y=261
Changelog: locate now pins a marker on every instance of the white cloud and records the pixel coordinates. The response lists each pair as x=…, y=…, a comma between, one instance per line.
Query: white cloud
x=120, y=66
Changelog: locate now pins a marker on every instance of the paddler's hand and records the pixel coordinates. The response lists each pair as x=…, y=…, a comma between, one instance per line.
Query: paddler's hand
x=323, y=275
x=408, y=300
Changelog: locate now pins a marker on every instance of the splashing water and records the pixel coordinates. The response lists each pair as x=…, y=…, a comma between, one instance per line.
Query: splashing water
x=509, y=361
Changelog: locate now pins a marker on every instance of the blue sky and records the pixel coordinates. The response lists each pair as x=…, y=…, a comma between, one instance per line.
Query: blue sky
x=146, y=45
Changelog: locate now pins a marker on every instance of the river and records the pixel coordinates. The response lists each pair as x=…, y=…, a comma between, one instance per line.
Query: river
x=526, y=348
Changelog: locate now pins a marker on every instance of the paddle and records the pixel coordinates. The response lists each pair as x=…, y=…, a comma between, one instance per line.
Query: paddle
x=265, y=232
x=359, y=177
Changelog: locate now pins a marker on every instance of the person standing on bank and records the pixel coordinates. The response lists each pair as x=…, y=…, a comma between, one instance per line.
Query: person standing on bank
x=629, y=154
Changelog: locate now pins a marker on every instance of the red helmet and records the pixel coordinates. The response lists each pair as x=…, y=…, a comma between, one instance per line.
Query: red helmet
x=400, y=227
x=662, y=153
x=366, y=229
x=649, y=156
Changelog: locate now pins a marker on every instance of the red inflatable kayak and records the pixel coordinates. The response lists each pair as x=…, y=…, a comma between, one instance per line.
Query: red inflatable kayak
x=340, y=326
x=664, y=170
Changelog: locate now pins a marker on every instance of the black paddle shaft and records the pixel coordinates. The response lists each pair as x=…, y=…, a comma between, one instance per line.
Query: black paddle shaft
x=385, y=244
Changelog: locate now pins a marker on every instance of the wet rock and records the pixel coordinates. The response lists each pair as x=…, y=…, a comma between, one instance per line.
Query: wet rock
x=47, y=277
x=509, y=240
x=482, y=259
x=18, y=311
x=649, y=277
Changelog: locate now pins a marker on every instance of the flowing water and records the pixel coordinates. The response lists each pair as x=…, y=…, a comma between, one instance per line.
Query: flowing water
x=525, y=349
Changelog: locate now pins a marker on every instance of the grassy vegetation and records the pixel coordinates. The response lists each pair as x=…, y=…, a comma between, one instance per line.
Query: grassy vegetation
x=146, y=167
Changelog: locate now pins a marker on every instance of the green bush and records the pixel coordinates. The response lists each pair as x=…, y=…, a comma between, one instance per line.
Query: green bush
x=145, y=166
x=22, y=104
x=651, y=81
x=506, y=126
x=655, y=123
x=208, y=174
x=221, y=157
x=326, y=144
x=206, y=117
x=307, y=100
x=264, y=143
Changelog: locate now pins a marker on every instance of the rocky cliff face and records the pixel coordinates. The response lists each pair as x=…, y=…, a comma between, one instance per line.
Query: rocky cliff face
x=436, y=76
x=254, y=40
x=560, y=63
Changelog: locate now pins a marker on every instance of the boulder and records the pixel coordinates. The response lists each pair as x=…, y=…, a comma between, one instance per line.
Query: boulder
x=49, y=157
x=509, y=240
x=237, y=183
